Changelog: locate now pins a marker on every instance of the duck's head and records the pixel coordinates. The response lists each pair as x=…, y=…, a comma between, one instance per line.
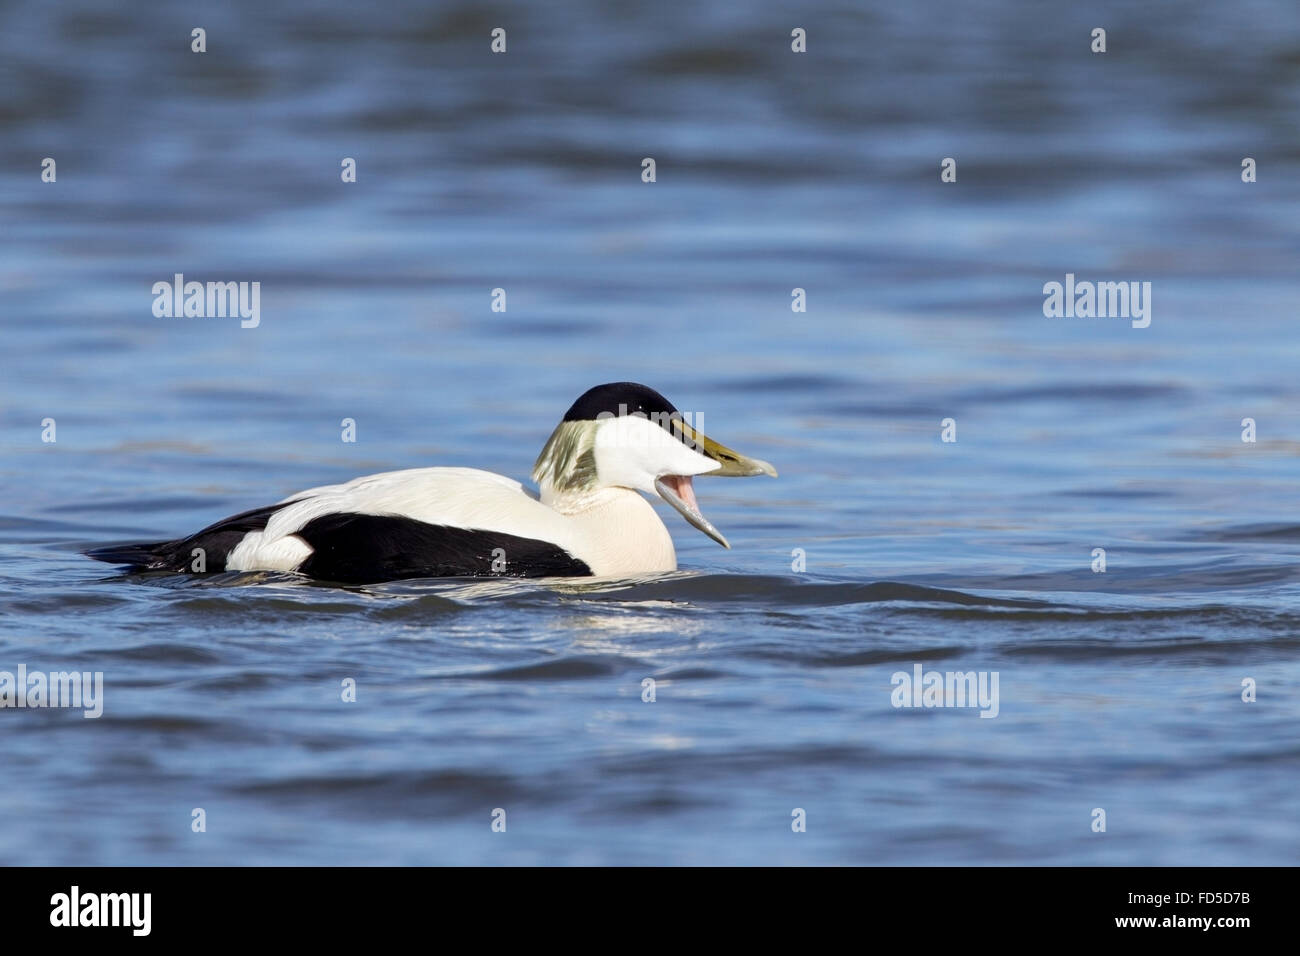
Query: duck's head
x=629, y=436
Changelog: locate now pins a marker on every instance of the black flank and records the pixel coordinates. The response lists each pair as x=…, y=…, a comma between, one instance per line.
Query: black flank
x=365, y=549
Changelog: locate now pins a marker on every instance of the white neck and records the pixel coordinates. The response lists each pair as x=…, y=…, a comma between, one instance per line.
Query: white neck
x=616, y=531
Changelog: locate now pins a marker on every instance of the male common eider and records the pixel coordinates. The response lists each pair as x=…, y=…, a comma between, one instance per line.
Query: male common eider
x=588, y=518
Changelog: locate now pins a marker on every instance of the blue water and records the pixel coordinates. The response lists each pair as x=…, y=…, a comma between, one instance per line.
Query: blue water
x=1119, y=690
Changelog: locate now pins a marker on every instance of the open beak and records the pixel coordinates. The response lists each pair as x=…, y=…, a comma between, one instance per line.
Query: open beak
x=678, y=491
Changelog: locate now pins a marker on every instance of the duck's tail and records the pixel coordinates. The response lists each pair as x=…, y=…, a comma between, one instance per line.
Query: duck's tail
x=159, y=556
x=206, y=550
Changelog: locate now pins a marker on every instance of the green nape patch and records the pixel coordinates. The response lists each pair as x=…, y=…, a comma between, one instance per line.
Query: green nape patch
x=568, y=460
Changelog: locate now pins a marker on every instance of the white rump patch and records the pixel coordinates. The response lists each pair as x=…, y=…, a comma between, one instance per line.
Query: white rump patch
x=255, y=553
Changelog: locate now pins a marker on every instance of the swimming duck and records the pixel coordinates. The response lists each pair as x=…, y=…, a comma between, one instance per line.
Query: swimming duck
x=587, y=517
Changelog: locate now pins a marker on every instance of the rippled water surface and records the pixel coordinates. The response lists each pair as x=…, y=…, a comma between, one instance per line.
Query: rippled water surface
x=1119, y=690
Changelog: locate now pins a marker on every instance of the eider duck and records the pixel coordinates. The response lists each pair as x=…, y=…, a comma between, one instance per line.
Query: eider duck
x=587, y=518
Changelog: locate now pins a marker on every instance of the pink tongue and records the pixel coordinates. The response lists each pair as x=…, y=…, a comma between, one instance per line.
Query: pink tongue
x=682, y=487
